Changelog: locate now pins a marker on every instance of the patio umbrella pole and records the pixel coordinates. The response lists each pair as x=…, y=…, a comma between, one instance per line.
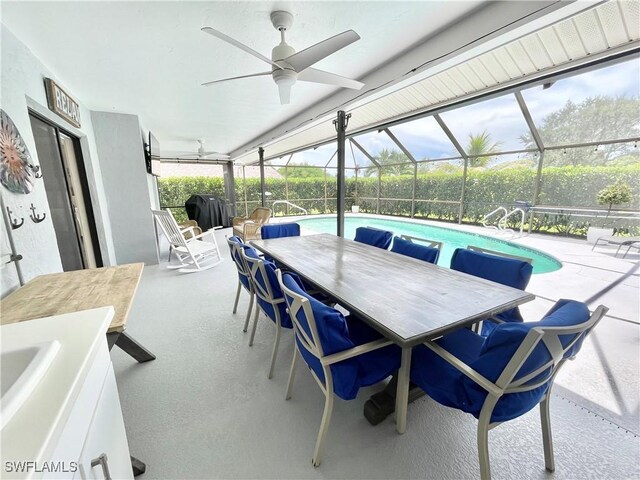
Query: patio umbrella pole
x=341, y=123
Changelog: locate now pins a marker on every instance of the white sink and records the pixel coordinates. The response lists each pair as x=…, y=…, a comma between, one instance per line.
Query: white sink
x=20, y=371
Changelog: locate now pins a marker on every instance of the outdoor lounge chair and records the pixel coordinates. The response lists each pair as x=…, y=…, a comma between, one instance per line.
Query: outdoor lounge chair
x=629, y=242
x=236, y=247
x=374, y=237
x=200, y=252
x=248, y=228
x=343, y=354
x=503, y=376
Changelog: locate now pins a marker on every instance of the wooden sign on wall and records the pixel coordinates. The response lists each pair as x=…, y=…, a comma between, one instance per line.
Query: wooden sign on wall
x=61, y=103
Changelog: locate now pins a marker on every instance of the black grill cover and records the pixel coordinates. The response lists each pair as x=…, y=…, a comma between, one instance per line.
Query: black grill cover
x=209, y=211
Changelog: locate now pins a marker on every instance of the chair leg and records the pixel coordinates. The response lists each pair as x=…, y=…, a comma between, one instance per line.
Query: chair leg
x=235, y=304
x=292, y=373
x=255, y=324
x=324, y=428
x=246, y=320
x=275, y=351
x=547, y=439
x=483, y=450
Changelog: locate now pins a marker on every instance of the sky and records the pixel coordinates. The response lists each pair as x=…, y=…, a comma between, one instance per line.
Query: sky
x=501, y=117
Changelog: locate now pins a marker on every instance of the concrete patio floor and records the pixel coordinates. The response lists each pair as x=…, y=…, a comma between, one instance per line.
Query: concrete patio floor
x=205, y=409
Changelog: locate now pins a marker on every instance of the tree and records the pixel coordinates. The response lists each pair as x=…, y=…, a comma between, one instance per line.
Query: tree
x=615, y=194
x=595, y=118
x=398, y=164
x=478, y=145
x=301, y=170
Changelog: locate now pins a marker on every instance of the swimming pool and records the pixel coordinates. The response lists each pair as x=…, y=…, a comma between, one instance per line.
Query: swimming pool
x=450, y=238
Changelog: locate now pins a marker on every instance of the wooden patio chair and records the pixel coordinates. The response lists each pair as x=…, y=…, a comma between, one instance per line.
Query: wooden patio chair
x=200, y=252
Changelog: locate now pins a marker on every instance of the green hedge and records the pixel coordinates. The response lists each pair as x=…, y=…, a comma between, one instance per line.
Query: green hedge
x=486, y=189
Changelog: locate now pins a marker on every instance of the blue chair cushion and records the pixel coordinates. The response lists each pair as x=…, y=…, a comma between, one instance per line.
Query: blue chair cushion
x=280, y=230
x=506, y=271
x=410, y=249
x=374, y=237
x=336, y=334
x=489, y=357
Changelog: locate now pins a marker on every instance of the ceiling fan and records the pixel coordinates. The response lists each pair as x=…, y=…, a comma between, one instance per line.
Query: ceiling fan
x=203, y=154
x=287, y=66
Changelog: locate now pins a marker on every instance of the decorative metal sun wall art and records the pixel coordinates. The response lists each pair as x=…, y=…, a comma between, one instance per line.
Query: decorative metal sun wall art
x=17, y=172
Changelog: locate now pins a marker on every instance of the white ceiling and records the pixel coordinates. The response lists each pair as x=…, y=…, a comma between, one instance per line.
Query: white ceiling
x=149, y=58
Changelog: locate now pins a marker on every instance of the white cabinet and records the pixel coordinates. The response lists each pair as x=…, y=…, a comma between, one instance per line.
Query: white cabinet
x=105, y=453
x=71, y=425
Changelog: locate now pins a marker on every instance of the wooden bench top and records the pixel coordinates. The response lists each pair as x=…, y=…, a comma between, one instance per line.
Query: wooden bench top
x=67, y=292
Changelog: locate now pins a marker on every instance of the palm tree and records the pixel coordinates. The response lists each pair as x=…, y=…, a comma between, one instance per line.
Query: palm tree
x=399, y=164
x=478, y=145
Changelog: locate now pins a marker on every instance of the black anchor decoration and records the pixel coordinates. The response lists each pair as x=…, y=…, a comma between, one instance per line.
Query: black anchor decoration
x=15, y=224
x=35, y=217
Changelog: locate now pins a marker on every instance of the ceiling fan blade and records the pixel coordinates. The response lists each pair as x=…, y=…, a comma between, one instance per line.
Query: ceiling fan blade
x=204, y=156
x=320, y=76
x=235, y=43
x=285, y=94
x=307, y=57
x=206, y=84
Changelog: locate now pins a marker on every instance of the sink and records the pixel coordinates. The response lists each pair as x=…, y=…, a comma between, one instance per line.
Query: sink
x=20, y=371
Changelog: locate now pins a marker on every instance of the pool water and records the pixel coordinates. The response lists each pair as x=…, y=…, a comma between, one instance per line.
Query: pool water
x=450, y=238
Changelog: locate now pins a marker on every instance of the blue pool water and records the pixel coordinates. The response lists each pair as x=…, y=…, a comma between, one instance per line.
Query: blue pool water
x=450, y=238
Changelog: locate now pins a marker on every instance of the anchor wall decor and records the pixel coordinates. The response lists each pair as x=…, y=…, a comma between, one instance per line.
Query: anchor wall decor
x=15, y=224
x=35, y=217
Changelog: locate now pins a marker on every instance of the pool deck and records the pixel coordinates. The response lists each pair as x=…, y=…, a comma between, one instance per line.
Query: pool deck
x=605, y=378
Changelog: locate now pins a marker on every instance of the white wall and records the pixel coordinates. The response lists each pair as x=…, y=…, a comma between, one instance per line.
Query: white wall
x=22, y=88
x=124, y=177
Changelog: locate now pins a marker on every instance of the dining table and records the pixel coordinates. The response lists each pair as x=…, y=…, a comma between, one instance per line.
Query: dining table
x=406, y=300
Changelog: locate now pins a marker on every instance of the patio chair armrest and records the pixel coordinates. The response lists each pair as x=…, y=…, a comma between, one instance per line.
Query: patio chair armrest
x=237, y=221
x=464, y=368
x=355, y=351
x=250, y=228
x=202, y=235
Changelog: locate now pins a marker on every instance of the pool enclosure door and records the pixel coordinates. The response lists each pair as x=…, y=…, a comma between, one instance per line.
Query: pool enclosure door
x=67, y=191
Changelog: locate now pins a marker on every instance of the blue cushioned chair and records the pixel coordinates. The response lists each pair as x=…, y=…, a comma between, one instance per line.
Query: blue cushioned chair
x=236, y=247
x=343, y=354
x=280, y=230
x=415, y=250
x=269, y=298
x=374, y=237
x=506, y=374
x=508, y=270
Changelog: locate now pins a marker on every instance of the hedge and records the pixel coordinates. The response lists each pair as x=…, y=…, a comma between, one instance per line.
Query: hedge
x=438, y=194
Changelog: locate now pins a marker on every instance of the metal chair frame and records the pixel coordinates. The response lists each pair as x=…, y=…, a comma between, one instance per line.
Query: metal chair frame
x=506, y=382
x=256, y=266
x=238, y=259
x=431, y=243
x=499, y=254
x=312, y=345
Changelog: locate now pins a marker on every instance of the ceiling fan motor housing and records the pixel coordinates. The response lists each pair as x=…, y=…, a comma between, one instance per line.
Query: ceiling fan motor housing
x=285, y=75
x=281, y=20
